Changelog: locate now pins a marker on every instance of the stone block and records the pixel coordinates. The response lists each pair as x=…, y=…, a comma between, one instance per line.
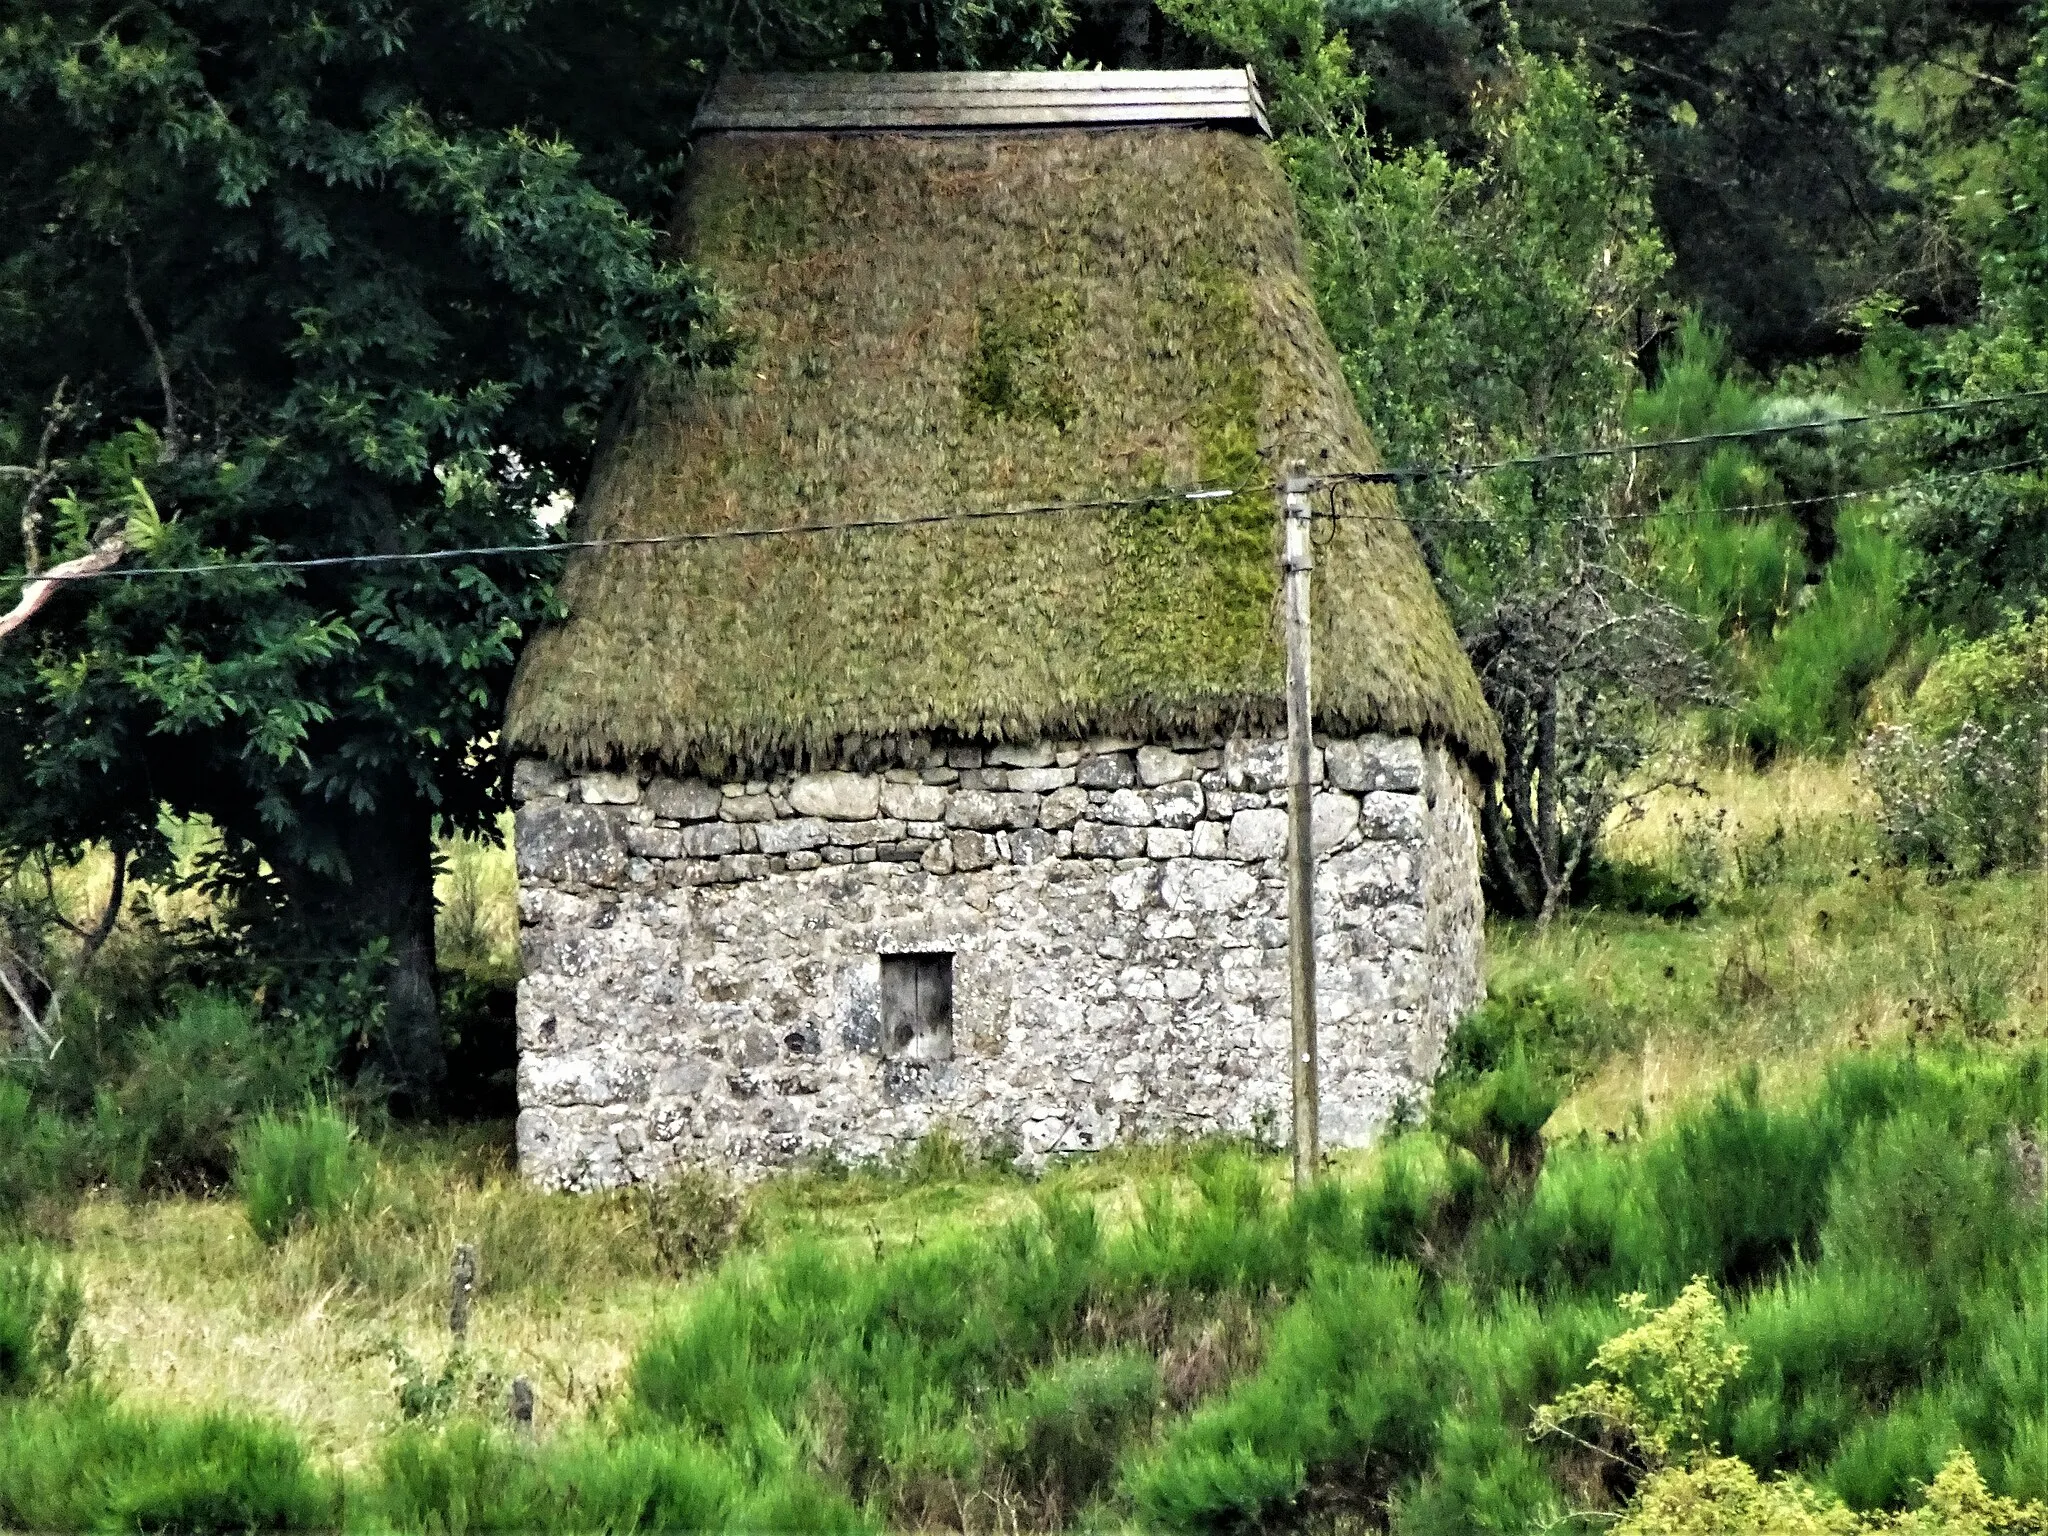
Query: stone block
x=654, y=842
x=978, y=808
x=963, y=757
x=794, y=835
x=711, y=840
x=1162, y=765
x=683, y=799
x=1168, y=843
x=609, y=788
x=1093, y=840
x=1032, y=846
x=1205, y=885
x=1333, y=817
x=1110, y=770
x=914, y=802
x=1034, y=754
x=1128, y=808
x=1132, y=890
x=938, y=859
x=1258, y=763
x=1377, y=762
x=571, y=844
x=973, y=850
x=1036, y=781
x=1062, y=808
x=536, y=778
x=1392, y=816
x=1258, y=834
x=939, y=776
x=747, y=808
x=1210, y=839
x=865, y=834
x=1177, y=804
x=836, y=796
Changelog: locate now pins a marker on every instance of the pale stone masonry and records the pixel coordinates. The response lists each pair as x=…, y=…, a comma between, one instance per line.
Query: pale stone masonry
x=1054, y=946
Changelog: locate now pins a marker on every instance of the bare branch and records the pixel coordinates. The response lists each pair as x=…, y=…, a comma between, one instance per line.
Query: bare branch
x=41, y=476
x=36, y=593
x=174, y=440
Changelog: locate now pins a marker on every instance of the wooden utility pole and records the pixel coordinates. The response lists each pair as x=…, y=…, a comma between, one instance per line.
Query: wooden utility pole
x=1295, y=564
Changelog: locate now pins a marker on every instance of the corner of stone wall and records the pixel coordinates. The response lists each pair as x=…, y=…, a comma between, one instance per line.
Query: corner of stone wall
x=1454, y=916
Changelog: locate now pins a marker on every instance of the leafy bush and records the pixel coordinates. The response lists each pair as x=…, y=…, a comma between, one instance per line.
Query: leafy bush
x=298, y=1168
x=197, y=1074
x=43, y=1156
x=1959, y=778
x=40, y=1307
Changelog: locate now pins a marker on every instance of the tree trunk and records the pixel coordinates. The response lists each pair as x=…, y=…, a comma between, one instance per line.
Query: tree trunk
x=392, y=861
x=1549, y=863
x=388, y=894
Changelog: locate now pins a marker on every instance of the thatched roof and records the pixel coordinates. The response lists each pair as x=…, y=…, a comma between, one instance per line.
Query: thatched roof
x=967, y=322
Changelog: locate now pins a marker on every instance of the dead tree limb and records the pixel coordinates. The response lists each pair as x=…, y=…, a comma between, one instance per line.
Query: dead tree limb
x=34, y=594
x=174, y=440
x=41, y=476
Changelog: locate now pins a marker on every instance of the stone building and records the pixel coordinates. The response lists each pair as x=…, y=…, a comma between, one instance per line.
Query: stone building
x=827, y=838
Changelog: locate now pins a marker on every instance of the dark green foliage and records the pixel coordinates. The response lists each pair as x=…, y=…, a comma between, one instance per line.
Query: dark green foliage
x=76, y=1464
x=470, y=1478
x=298, y=1168
x=1057, y=1437
x=43, y=1155
x=1800, y=598
x=196, y=1076
x=40, y=1307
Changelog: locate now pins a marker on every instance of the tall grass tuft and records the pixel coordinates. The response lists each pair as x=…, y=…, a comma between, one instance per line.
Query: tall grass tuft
x=40, y=1308
x=299, y=1169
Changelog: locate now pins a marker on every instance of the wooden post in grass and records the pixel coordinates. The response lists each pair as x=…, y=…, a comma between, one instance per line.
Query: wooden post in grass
x=522, y=1405
x=461, y=1281
x=1295, y=565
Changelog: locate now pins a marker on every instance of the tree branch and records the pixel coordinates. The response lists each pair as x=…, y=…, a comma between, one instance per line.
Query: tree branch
x=40, y=476
x=173, y=439
x=39, y=591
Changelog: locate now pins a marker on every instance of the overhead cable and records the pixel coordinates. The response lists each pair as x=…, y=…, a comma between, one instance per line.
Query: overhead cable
x=1411, y=474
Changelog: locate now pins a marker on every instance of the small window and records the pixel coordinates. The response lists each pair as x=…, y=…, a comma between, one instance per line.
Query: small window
x=917, y=1007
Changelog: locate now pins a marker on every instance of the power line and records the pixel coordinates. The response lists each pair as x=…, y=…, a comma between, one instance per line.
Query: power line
x=652, y=540
x=1603, y=519
x=1417, y=472
x=1410, y=474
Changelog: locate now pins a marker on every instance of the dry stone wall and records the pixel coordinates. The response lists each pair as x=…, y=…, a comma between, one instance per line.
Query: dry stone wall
x=704, y=963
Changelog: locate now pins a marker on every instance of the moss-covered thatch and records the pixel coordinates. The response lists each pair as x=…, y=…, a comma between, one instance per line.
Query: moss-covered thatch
x=931, y=323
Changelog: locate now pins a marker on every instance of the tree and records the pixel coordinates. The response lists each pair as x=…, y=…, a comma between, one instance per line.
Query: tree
x=279, y=282
x=1487, y=308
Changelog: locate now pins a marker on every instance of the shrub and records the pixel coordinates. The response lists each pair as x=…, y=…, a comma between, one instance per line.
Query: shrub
x=693, y=1219
x=43, y=1157
x=1959, y=778
x=196, y=1076
x=40, y=1307
x=298, y=1168
x=75, y=1463
x=1060, y=1433
x=468, y=1478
